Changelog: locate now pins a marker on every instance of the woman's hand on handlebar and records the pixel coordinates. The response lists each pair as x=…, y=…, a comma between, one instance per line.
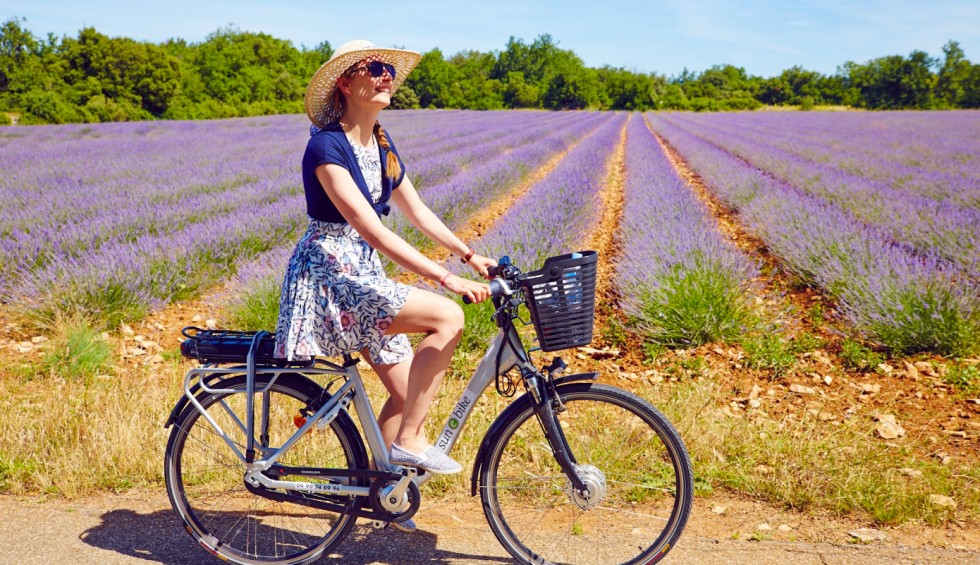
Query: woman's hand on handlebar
x=472, y=290
x=481, y=265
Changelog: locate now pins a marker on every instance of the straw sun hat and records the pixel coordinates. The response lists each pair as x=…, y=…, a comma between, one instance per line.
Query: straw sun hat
x=319, y=93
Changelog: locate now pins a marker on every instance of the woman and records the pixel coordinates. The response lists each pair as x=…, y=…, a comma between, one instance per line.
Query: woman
x=335, y=296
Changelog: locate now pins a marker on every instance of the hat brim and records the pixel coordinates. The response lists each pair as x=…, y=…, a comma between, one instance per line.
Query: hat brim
x=319, y=92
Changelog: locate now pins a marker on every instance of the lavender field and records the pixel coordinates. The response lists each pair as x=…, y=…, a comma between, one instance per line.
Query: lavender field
x=880, y=210
x=898, y=251
x=117, y=219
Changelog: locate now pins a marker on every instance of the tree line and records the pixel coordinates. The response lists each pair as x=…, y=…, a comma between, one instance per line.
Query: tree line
x=96, y=78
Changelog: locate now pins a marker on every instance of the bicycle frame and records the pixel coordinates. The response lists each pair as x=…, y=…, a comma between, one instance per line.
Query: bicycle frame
x=500, y=353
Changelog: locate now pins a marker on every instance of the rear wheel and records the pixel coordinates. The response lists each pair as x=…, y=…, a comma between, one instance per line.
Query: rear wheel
x=638, y=474
x=205, y=478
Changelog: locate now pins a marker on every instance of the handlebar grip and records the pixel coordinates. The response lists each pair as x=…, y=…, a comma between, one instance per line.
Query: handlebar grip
x=496, y=289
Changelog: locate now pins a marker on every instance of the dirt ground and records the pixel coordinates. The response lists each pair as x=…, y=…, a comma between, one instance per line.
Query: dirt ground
x=140, y=527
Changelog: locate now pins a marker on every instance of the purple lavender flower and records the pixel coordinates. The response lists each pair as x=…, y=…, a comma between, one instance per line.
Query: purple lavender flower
x=678, y=278
x=908, y=298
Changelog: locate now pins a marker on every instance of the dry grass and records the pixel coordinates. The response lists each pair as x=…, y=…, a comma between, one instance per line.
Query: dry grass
x=803, y=463
x=73, y=436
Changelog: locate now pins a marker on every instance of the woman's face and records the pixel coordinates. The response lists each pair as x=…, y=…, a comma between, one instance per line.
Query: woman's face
x=360, y=88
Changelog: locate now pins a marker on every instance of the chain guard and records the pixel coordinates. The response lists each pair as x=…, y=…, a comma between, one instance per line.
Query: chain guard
x=349, y=505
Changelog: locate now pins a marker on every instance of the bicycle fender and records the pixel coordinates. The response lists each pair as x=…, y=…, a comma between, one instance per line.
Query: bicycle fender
x=522, y=403
x=183, y=402
x=577, y=377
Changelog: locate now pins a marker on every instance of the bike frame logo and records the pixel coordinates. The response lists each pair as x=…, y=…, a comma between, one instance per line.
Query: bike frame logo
x=456, y=419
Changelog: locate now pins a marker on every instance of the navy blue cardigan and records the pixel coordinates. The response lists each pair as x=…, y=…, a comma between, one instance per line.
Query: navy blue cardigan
x=331, y=146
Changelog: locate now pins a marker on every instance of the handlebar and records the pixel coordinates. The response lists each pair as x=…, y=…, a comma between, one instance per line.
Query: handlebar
x=505, y=275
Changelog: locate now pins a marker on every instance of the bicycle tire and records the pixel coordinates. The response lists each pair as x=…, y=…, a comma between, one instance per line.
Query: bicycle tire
x=620, y=440
x=205, y=483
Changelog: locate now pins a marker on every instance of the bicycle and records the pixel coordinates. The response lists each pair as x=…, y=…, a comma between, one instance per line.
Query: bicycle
x=570, y=471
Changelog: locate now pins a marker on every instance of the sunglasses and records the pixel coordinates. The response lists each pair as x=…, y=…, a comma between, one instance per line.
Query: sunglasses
x=376, y=68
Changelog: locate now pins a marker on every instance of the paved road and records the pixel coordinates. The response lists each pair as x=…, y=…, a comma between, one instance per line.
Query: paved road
x=142, y=529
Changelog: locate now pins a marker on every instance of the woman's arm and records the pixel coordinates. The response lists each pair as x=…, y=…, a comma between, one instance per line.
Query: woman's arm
x=345, y=195
x=408, y=201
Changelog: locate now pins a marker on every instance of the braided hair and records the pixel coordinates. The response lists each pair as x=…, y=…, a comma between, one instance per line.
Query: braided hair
x=392, y=169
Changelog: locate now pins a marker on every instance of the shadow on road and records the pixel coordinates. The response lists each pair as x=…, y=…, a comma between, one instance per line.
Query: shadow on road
x=160, y=537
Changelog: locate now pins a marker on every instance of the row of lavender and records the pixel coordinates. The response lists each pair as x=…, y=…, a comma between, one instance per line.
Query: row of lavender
x=909, y=298
x=683, y=283
x=556, y=214
x=456, y=198
x=915, y=178
x=118, y=218
x=444, y=153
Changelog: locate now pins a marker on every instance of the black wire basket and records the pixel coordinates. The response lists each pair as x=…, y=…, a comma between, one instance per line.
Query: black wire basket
x=561, y=298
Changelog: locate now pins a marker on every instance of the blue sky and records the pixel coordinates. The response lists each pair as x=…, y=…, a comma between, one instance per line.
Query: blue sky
x=661, y=36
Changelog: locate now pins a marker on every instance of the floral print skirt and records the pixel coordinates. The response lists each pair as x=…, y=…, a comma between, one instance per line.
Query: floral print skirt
x=336, y=299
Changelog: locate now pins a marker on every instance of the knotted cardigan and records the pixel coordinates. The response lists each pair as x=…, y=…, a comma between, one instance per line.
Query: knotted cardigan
x=331, y=146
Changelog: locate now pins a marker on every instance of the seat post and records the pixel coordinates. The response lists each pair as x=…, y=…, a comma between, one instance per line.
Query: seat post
x=350, y=360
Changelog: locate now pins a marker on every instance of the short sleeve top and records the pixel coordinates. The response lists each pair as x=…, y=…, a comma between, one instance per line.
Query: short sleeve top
x=331, y=146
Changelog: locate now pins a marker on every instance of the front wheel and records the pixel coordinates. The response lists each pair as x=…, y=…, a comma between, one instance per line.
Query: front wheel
x=638, y=474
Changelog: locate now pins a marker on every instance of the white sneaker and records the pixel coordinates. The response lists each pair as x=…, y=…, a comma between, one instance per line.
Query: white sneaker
x=433, y=460
x=408, y=526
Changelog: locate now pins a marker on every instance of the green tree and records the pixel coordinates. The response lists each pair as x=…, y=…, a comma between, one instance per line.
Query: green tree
x=17, y=46
x=476, y=89
x=775, y=91
x=673, y=98
x=625, y=90
x=517, y=93
x=894, y=82
x=722, y=87
x=139, y=79
x=535, y=61
x=323, y=51
x=971, y=88
x=954, y=76
x=432, y=80
x=570, y=85
x=405, y=99
x=572, y=89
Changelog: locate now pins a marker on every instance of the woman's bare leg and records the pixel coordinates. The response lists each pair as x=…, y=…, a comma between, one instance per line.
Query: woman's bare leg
x=441, y=320
x=394, y=377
